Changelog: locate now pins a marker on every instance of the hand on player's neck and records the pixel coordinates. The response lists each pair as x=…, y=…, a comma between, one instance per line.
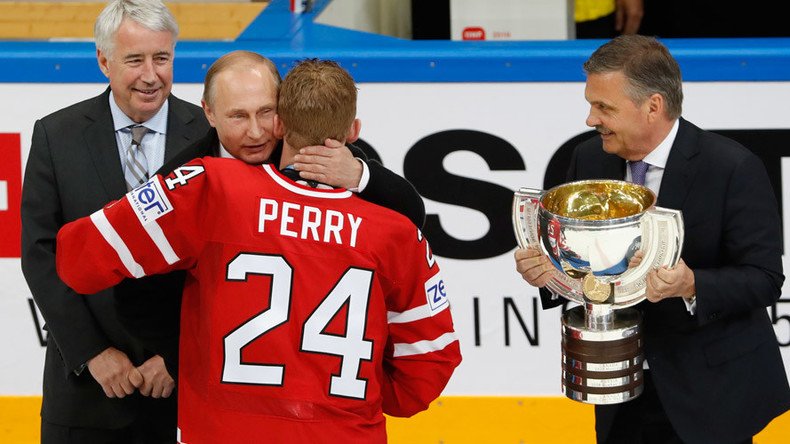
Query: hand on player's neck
x=287, y=157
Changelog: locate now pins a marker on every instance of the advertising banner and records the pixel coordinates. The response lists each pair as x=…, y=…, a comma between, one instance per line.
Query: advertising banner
x=466, y=147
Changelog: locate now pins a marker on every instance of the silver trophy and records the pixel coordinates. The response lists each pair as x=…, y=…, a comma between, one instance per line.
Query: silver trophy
x=590, y=230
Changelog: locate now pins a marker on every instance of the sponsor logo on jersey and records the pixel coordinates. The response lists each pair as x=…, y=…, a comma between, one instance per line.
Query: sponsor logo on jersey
x=436, y=294
x=149, y=201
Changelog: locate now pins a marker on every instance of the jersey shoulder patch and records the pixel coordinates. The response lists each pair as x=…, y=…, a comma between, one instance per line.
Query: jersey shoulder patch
x=149, y=201
x=436, y=294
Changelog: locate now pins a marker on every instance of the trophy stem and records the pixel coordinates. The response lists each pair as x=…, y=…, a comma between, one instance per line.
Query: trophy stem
x=598, y=317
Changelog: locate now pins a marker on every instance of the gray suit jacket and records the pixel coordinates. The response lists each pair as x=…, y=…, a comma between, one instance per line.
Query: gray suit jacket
x=74, y=168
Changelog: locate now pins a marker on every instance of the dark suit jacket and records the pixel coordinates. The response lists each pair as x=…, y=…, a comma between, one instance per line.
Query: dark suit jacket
x=73, y=170
x=718, y=373
x=385, y=188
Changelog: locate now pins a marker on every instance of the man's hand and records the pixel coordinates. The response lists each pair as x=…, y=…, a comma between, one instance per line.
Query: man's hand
x=111, y=369
x=156, y=381
x=628, y=16
x=533, y=266
x=332, y=164
x=675, y=282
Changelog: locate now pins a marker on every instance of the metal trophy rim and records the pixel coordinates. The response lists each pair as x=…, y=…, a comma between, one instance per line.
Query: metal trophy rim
x=631, y=286
x=602, y=224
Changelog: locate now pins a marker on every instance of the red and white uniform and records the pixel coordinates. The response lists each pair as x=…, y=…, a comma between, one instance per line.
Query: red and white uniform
x=306, y=313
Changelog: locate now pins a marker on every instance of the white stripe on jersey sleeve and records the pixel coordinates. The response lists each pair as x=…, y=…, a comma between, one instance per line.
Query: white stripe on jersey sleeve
x=99, y=219
x=158, y=236
x=413, y=314
x=423, y=347
x=178, y=436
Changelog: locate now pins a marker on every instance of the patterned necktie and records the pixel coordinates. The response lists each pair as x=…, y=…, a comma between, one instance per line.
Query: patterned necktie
x=638, y=171
x=136, y=164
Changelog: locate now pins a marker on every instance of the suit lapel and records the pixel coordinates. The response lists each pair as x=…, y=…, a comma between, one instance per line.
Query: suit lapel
x=612, y=167
x=589, y=161
x=681, y=168
x=100, y=141
x=180, y=128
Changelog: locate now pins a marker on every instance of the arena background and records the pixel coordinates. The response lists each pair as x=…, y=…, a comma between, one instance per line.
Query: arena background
x=467, y=123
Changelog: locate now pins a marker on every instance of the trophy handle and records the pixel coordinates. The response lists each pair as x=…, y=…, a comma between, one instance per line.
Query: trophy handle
x=526, y=204
x=664, y=229
x=525, y=216
x=662, y=243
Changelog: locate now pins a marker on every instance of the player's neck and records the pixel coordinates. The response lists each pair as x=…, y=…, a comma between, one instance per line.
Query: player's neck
x=287, y=156
x=288, y=153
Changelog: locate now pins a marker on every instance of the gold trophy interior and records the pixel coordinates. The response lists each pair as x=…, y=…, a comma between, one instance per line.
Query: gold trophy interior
x=596, y=201
x=589, y=230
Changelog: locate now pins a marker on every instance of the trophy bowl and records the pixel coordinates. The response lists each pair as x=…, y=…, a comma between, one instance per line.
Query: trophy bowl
x=590, y=230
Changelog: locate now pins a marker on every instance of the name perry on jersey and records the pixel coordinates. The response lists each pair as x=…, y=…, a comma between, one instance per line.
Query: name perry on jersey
x=306, y=222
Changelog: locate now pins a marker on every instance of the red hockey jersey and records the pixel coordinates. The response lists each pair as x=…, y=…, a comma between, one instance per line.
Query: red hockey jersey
x=306, y=312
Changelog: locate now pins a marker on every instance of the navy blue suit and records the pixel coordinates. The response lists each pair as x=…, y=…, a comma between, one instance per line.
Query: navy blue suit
x=718, y=373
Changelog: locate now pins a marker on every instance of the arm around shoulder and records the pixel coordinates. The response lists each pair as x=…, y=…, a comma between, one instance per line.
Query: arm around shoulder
x=390, y=190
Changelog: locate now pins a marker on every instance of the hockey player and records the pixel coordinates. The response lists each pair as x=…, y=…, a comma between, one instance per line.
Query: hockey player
x=308, y=313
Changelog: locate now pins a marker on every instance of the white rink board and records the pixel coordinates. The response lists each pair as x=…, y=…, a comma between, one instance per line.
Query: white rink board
x=535, y=118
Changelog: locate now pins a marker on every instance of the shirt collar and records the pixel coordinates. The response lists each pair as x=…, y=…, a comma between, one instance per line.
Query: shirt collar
x=223, y=153
x=658, y=157
x=157, y=123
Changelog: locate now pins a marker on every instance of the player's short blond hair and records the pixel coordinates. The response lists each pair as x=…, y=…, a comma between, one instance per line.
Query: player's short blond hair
x=318, y=100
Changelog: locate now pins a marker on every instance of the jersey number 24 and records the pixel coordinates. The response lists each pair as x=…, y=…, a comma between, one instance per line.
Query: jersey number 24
x=352, y=288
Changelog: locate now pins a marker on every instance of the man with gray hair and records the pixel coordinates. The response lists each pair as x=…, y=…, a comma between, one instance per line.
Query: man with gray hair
x=110, y=360
x=713, y=372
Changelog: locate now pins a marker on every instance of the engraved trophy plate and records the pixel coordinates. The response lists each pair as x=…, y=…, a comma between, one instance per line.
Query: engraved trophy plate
x=589, y=230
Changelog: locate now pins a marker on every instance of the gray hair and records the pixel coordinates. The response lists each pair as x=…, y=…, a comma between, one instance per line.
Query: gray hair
x=151, y=14
x=647, y=65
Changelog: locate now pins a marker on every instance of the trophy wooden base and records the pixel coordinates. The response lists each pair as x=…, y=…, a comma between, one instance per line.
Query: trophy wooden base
x=602, y=354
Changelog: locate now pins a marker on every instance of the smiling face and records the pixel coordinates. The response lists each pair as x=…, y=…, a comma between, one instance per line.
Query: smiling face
x=242, y=106
x=140, y=69
x=625, y=126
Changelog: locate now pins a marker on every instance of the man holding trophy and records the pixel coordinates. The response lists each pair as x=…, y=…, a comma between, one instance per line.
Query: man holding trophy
x=712, y=368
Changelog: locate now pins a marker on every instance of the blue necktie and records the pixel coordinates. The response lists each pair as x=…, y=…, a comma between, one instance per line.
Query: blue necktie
x=638, y=171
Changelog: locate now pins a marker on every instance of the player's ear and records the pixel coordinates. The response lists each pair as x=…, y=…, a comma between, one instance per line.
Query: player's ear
x=353, y=131
x=279, y=129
